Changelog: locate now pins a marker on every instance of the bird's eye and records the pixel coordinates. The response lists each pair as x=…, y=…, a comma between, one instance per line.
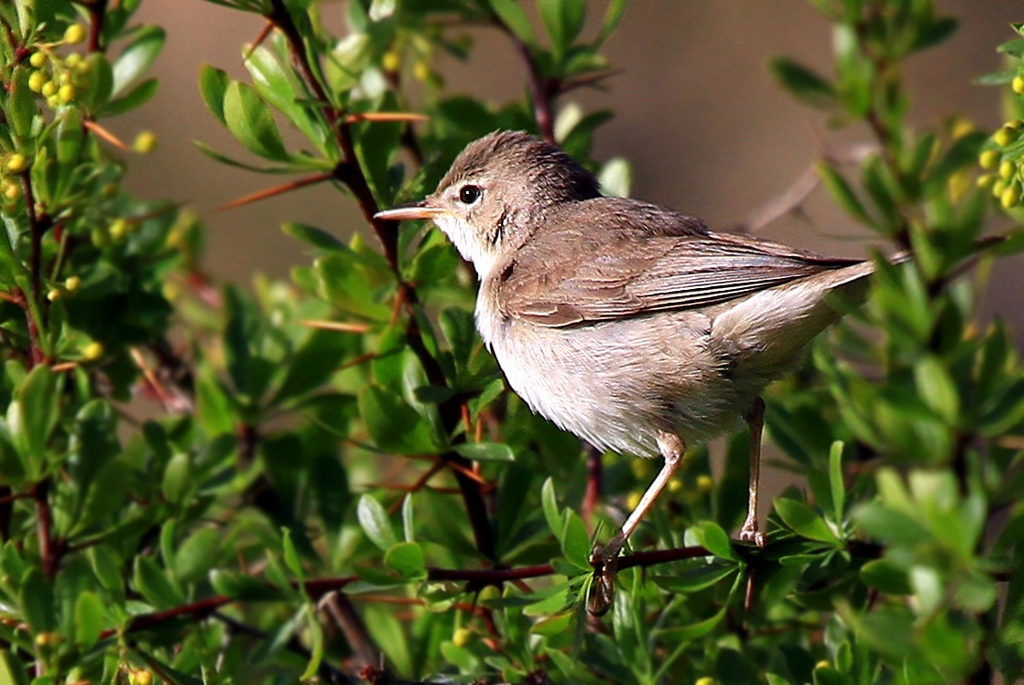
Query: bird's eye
x=469, y=194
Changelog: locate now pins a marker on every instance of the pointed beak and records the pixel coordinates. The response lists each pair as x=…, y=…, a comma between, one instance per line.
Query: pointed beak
x=409, y=212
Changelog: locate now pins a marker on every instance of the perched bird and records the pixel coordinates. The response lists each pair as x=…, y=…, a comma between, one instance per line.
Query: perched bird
x=630, y=325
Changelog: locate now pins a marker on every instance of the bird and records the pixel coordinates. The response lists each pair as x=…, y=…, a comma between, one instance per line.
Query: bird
x=630, y=325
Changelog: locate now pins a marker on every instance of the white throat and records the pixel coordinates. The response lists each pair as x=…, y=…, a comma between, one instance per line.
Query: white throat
x=468, y=243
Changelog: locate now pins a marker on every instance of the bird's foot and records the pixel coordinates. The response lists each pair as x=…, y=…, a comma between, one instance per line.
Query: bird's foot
x=750, y=533
x=605, y=561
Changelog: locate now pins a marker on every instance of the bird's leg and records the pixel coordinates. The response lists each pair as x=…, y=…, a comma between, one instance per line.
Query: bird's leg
x=606, y=559
x=755, y=422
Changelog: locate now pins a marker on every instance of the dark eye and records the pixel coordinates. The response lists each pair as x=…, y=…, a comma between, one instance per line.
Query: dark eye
x=469, y=194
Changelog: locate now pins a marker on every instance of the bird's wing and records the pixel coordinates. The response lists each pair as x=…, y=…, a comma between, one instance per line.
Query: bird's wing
x=580, y=276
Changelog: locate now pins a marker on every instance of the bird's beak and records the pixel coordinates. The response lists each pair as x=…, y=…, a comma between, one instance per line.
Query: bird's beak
x=409, y=212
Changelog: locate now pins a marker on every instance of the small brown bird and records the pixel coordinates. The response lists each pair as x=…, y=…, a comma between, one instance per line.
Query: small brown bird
x=632, y=326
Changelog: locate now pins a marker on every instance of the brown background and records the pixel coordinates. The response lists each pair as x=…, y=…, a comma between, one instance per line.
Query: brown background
x=698, y=116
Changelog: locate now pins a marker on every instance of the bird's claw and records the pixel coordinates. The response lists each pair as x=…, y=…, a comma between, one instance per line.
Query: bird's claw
x=602, y=591
x=750, y=533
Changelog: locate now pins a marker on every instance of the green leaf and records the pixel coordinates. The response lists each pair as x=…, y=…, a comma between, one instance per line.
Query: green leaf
x=374, y=520
x=242, y=586
x=316, y=634
x=136, y=97
x=22, y=103
x=196, y=555
x=616, y=177
x=101, y=82
x=714, y=539
x=406, y=559
x=137, y=56
x=273, y=84
x=575, y=541
x=802, y=83
x=149, y=580
x=885, y=576
x=250, y=121
x=843, y=194
x=291, y=554
x=177, y=478
x=835, y=477
x=549, y=504
x=937, y=388
x=697, y=578
x=36, y=599
x=485, y=451
x=213, y=85
x=514, y=18
x=33, y=416
x=936, y=32
x=318, y=238
x=612, y=16
x=89, y=618
x=393, y=424
x=804, y=520
x=563, y=20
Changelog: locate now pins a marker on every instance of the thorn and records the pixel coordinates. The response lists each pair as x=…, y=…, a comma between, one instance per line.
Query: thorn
x=341, y=326
x=105, y=134
x=384, y=117
x=264, y=32
x=271, y=192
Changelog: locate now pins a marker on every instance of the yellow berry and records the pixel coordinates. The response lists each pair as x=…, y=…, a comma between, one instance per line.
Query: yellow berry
x=461, y=637
x=1006, y=135
x=109, y=191
x=92, y=351
x=985, y=180
x=675, y=485
x=989, y=159
x=73, y=283
x=1010, y=197
x=822, y=664
x=74, y=34
x=1007, y=169
x=42, y=639
x=706, y=680
x=53, y=102
x=705, y=483
x=633, y=501
x=72, y=60
x=49, y=88
x=1018, y=85
x=36, y=80
x=999, y=186
x=119, y=230
x=1016, y=124
x=38, y=59
x=66, y=93
x=16, y=162
x=53, y=295
x=12, y=191
x=145, y=142
x=83, y=68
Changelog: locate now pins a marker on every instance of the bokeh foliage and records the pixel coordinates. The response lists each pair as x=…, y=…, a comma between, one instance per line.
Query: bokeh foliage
x=339, y=488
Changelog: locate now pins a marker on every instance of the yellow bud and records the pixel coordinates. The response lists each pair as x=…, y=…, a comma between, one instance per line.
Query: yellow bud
x=36, y=80
x=109, y=191
x=53, y=102
x=1010, y=197
x=391, y=61
x=171, y=291
x=83, y=68
x=706, y=680
x=92, y=351
x=74, y=34
x=72, y=60
x=49, y=88
x=1005, y=136
x=119, y=230
x=142, y=677
x=1007, y=169
x=145, y=142
x=488, y=593
x=73, y=283
x=1016, y=124
x=12, y=191
x=66, y=93
x=822, y=664
x=16, y=162
x=461, y=637
x=42, y=639
x=38, y=59
x=985, y=180
x=421, y=71
x=961, y=127
x=705, y=483
x=675, y=485
x=101, y=237
x=1018, y=85
x=989, y=159
x=633, y=501
x=53, y=295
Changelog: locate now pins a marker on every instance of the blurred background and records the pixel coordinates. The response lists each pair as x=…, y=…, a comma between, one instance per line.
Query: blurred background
x=698, y=115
